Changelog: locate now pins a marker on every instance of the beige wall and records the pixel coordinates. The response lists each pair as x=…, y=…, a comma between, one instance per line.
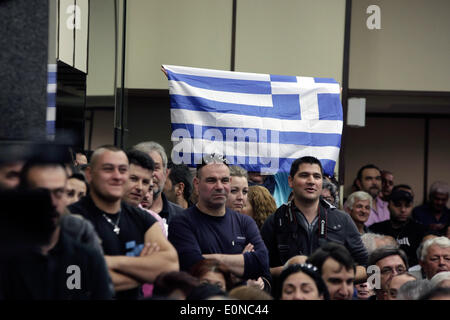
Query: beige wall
x=103, y=130
x=100, y=78
x=291, y=37
x=396, y=145
x=194, y=33
x=439, y=152
x=411, y=50
x=299, y=38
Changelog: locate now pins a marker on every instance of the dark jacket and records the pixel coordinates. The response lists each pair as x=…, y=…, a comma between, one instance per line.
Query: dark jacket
x=169, y=209
x=286, y=236
x=34, y=276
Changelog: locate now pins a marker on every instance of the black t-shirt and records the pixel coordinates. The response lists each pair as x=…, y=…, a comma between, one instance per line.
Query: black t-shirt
x=133, y=225
x=408, y=236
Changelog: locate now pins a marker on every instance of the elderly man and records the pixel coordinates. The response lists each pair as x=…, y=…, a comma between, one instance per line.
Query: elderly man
x=435, y=256
x=369, y=180
x=358, y=205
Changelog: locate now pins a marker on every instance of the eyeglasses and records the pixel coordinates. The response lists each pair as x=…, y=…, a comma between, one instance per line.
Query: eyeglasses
x=389, y=270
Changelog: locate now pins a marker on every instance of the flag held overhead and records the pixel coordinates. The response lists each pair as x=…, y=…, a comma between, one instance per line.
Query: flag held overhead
x=258, y=121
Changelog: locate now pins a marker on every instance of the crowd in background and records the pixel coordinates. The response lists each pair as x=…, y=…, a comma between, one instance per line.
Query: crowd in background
x=115, y=224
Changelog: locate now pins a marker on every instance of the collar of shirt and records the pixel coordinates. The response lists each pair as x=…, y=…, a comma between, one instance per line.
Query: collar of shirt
x=308, y=226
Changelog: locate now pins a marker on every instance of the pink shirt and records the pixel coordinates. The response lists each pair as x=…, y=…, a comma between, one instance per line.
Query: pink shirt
x=161, y=221
x=379, y=212
x=147, y=288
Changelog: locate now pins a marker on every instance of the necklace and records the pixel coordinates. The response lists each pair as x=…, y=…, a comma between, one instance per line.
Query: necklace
x=115, y=225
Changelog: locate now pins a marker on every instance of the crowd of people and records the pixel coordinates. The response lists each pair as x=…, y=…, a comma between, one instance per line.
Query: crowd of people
x=129, y=225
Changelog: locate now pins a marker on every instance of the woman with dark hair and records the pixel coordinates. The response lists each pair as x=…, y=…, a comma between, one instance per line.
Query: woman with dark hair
x=175, y=285
x=213, y=272
x=76, y=188
x=302, y=282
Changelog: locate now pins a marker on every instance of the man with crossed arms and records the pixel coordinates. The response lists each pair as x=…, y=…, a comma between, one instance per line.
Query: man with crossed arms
x=209, y=230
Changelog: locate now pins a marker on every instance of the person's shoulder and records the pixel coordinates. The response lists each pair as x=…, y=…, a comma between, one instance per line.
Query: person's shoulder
x=137, y=212
x=71, y=221
x=74, y=247
x=131, y=209
x=416, y=226
x=239, y=216
x=332, y=211
x=379, y=226
x=79, y=207
x=175, y=207
x=186, y=214
x=421, y=209
x=281, y=210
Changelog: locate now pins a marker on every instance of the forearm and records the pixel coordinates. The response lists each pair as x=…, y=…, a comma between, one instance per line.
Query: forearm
x=276, y=271
x=234, y=262
x=146, y=268
x=122, y=282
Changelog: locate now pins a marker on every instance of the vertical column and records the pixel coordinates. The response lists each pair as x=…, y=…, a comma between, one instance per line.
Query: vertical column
x=23, y=65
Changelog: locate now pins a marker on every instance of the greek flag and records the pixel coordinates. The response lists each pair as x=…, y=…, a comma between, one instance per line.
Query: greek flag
x=258, y=121
x=51, y=101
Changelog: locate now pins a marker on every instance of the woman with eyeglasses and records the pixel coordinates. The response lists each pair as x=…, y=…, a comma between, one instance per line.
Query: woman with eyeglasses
x=302, y=282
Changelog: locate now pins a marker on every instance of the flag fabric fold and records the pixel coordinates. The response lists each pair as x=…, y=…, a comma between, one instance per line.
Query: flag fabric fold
x=261, y=122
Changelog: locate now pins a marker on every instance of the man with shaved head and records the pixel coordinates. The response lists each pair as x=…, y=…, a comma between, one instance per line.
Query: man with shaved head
x=210, y=230
x=136, y=250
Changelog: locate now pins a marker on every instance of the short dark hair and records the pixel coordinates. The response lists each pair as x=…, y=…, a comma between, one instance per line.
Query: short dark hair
x=308, y=269
x=367, y=166
x=80, y=176
x=307, y=159
x=401, y=186
x=205, y=291
x=166, y=282
x=140, y=159
x=204, y=266
x=387, y=251
x=335, y=251
x=180, y=173
x=30, y=164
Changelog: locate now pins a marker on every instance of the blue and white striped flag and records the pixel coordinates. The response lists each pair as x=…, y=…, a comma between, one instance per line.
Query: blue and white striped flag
x=51, y=101
x=258, y=121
